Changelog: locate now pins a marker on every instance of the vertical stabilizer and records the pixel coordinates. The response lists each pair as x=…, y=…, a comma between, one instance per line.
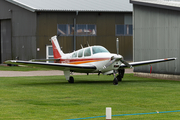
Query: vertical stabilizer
x=58, y=53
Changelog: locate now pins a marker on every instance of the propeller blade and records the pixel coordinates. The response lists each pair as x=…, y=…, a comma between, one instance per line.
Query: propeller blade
x=126, y=63
x=113, y=59
x=109, y=63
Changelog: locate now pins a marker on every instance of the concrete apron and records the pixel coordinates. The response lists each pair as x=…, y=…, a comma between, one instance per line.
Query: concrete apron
x=42, y=73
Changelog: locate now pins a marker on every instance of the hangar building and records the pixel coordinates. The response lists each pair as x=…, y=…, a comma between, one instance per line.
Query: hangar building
x=27, y=25
x=157, y=34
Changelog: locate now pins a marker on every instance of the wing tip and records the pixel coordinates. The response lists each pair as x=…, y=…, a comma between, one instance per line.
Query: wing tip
x=9, y=61
x=174, y=58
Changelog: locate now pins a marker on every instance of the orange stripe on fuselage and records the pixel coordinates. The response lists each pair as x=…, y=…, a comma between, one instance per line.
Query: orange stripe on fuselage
x=82, y=61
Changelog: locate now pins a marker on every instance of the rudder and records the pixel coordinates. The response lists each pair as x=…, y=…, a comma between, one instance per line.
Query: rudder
x=56, y=48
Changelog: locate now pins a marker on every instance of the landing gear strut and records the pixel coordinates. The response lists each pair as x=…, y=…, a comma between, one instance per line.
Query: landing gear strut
x=115, y=81
x=119, y=78
x=121, y=74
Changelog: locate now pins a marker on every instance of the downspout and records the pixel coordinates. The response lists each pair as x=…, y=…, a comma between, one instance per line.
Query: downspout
x=74, y=37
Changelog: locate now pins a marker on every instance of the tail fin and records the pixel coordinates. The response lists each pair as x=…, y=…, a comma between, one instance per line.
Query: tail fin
x=58, y=53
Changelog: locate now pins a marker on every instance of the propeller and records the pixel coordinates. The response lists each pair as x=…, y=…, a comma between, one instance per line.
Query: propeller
x=126, y=63
x=113, y=59
x=117, y=57
x=122, y=60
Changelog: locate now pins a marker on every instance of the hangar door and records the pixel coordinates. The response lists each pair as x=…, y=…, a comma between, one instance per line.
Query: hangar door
x=5, y=41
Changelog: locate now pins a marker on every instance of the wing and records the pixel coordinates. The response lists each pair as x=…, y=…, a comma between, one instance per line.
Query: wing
x=135, y=64
x=55, y=66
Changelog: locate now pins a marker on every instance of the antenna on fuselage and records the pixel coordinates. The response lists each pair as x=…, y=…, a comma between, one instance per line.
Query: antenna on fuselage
x=88, y=44
x=81, y=46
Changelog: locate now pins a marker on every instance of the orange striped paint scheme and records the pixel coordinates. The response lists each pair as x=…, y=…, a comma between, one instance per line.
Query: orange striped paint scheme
x=82, y=61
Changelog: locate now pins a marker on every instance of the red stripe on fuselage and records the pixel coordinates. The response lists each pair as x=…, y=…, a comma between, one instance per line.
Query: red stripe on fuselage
x=82, y=60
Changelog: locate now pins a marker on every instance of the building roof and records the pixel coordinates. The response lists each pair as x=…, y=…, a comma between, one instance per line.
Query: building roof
x=75, y=5
x=167, y=4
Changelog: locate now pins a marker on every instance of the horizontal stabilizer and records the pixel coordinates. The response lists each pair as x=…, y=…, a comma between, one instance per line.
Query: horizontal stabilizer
x=44, y=60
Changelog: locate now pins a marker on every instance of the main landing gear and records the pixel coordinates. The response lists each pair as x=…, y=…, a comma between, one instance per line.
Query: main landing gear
x=71, y=79
x=115, y=81
x=119, y=77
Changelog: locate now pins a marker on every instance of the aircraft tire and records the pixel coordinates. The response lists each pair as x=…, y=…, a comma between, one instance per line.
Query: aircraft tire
x=71, y=79
x=119, y=78
x=115, y=81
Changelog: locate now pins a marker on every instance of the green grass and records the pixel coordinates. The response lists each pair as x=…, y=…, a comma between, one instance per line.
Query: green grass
x=19, y=68
x=52, y=97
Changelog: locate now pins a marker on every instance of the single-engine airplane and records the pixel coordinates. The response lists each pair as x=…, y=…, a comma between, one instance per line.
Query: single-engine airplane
x=91, y=59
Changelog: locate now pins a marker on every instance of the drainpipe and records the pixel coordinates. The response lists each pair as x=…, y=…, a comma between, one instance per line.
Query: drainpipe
x=74, y=39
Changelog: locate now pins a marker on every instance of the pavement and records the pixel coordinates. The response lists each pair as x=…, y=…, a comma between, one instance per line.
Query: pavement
x=41, y=73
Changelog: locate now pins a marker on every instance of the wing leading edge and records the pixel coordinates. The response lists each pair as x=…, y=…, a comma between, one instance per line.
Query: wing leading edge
x=141, y=63
x=55, y=66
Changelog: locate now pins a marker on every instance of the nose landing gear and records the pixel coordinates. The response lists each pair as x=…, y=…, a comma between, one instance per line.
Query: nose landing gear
x=115, y=81
x=119, y=77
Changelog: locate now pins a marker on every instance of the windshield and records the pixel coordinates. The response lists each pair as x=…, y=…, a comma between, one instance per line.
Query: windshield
x=99, y=49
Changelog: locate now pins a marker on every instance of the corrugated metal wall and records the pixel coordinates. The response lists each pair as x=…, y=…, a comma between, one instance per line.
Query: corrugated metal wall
x=0, y=44
x=156, y=35
x=5, y=40
x=32, y=31
x=23, y=32
x=105, y=23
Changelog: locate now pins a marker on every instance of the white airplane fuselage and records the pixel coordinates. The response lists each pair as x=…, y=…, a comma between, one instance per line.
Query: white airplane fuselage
x=99, y=60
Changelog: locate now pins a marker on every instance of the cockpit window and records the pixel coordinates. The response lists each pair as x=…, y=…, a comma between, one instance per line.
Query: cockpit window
x=99, y=49
x=74, y=55
x=80, y=53
x=87, y=52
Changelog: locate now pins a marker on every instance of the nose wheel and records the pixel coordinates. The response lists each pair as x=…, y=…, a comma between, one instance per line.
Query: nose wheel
x=115, y=81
